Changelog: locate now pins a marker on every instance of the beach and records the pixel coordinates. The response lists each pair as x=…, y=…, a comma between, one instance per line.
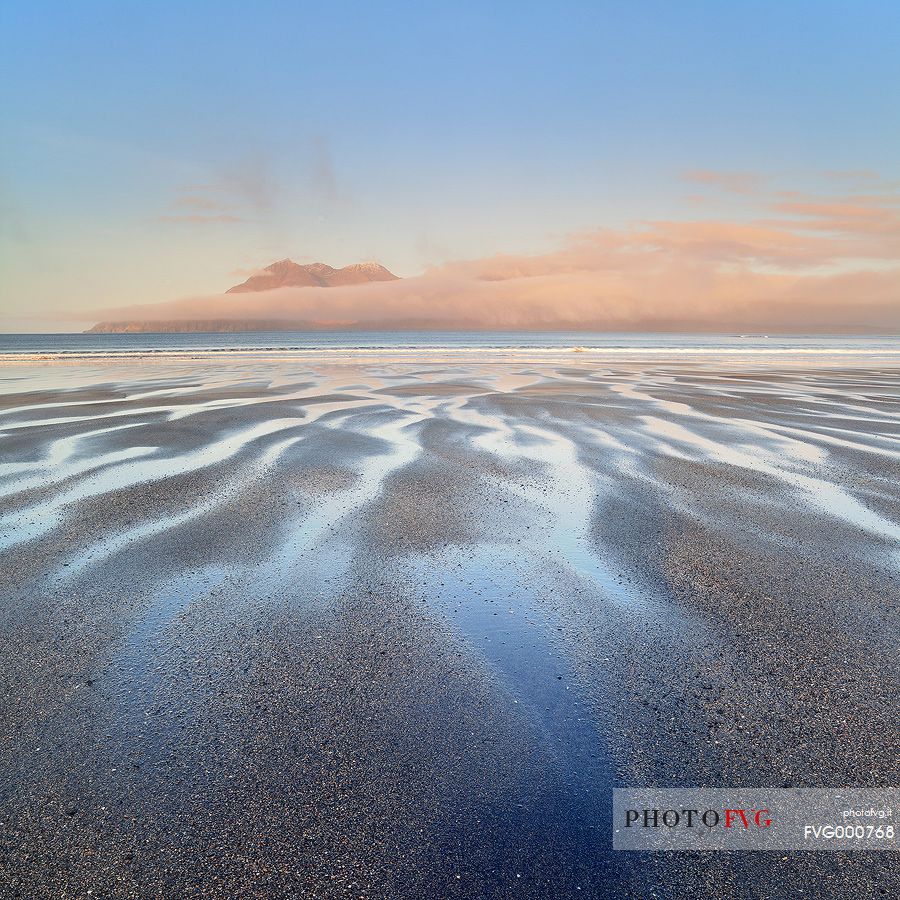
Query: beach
x=395, y=623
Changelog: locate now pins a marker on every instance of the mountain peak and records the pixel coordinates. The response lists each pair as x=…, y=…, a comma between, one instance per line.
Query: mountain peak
x=319, y=268
x=287, y=273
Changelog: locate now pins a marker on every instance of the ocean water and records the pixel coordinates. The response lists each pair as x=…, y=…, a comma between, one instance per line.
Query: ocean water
x=73, y=345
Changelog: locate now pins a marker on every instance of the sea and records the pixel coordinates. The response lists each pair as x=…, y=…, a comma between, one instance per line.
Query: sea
x=20, y=346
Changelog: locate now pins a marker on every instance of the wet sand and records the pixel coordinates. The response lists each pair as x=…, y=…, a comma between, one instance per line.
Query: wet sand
x=394, y=626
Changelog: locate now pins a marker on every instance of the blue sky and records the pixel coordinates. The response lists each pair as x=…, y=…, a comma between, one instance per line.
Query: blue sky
x=155, y=150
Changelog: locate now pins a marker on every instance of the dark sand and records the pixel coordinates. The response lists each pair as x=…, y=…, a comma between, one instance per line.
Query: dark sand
x=396, y=627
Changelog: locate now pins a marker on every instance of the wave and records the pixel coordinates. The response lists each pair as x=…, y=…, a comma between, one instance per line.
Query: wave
x=407, y=350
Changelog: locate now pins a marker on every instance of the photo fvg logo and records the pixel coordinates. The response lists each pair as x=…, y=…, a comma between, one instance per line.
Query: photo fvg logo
x=695, y=818
x=736, y=818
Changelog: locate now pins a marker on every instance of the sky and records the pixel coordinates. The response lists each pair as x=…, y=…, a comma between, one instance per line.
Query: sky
x=602, y=157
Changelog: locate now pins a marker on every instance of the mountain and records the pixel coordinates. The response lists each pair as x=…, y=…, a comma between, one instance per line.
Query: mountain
x=287, y=273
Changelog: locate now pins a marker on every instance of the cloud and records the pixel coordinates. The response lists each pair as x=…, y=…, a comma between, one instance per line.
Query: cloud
x=243, y=187
x=201, y=205
x=806, y=263
x=632, y=294
x=246, y=190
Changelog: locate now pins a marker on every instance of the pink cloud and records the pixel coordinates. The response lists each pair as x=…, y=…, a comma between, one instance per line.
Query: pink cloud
x=666, y=295
x=797, y=268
